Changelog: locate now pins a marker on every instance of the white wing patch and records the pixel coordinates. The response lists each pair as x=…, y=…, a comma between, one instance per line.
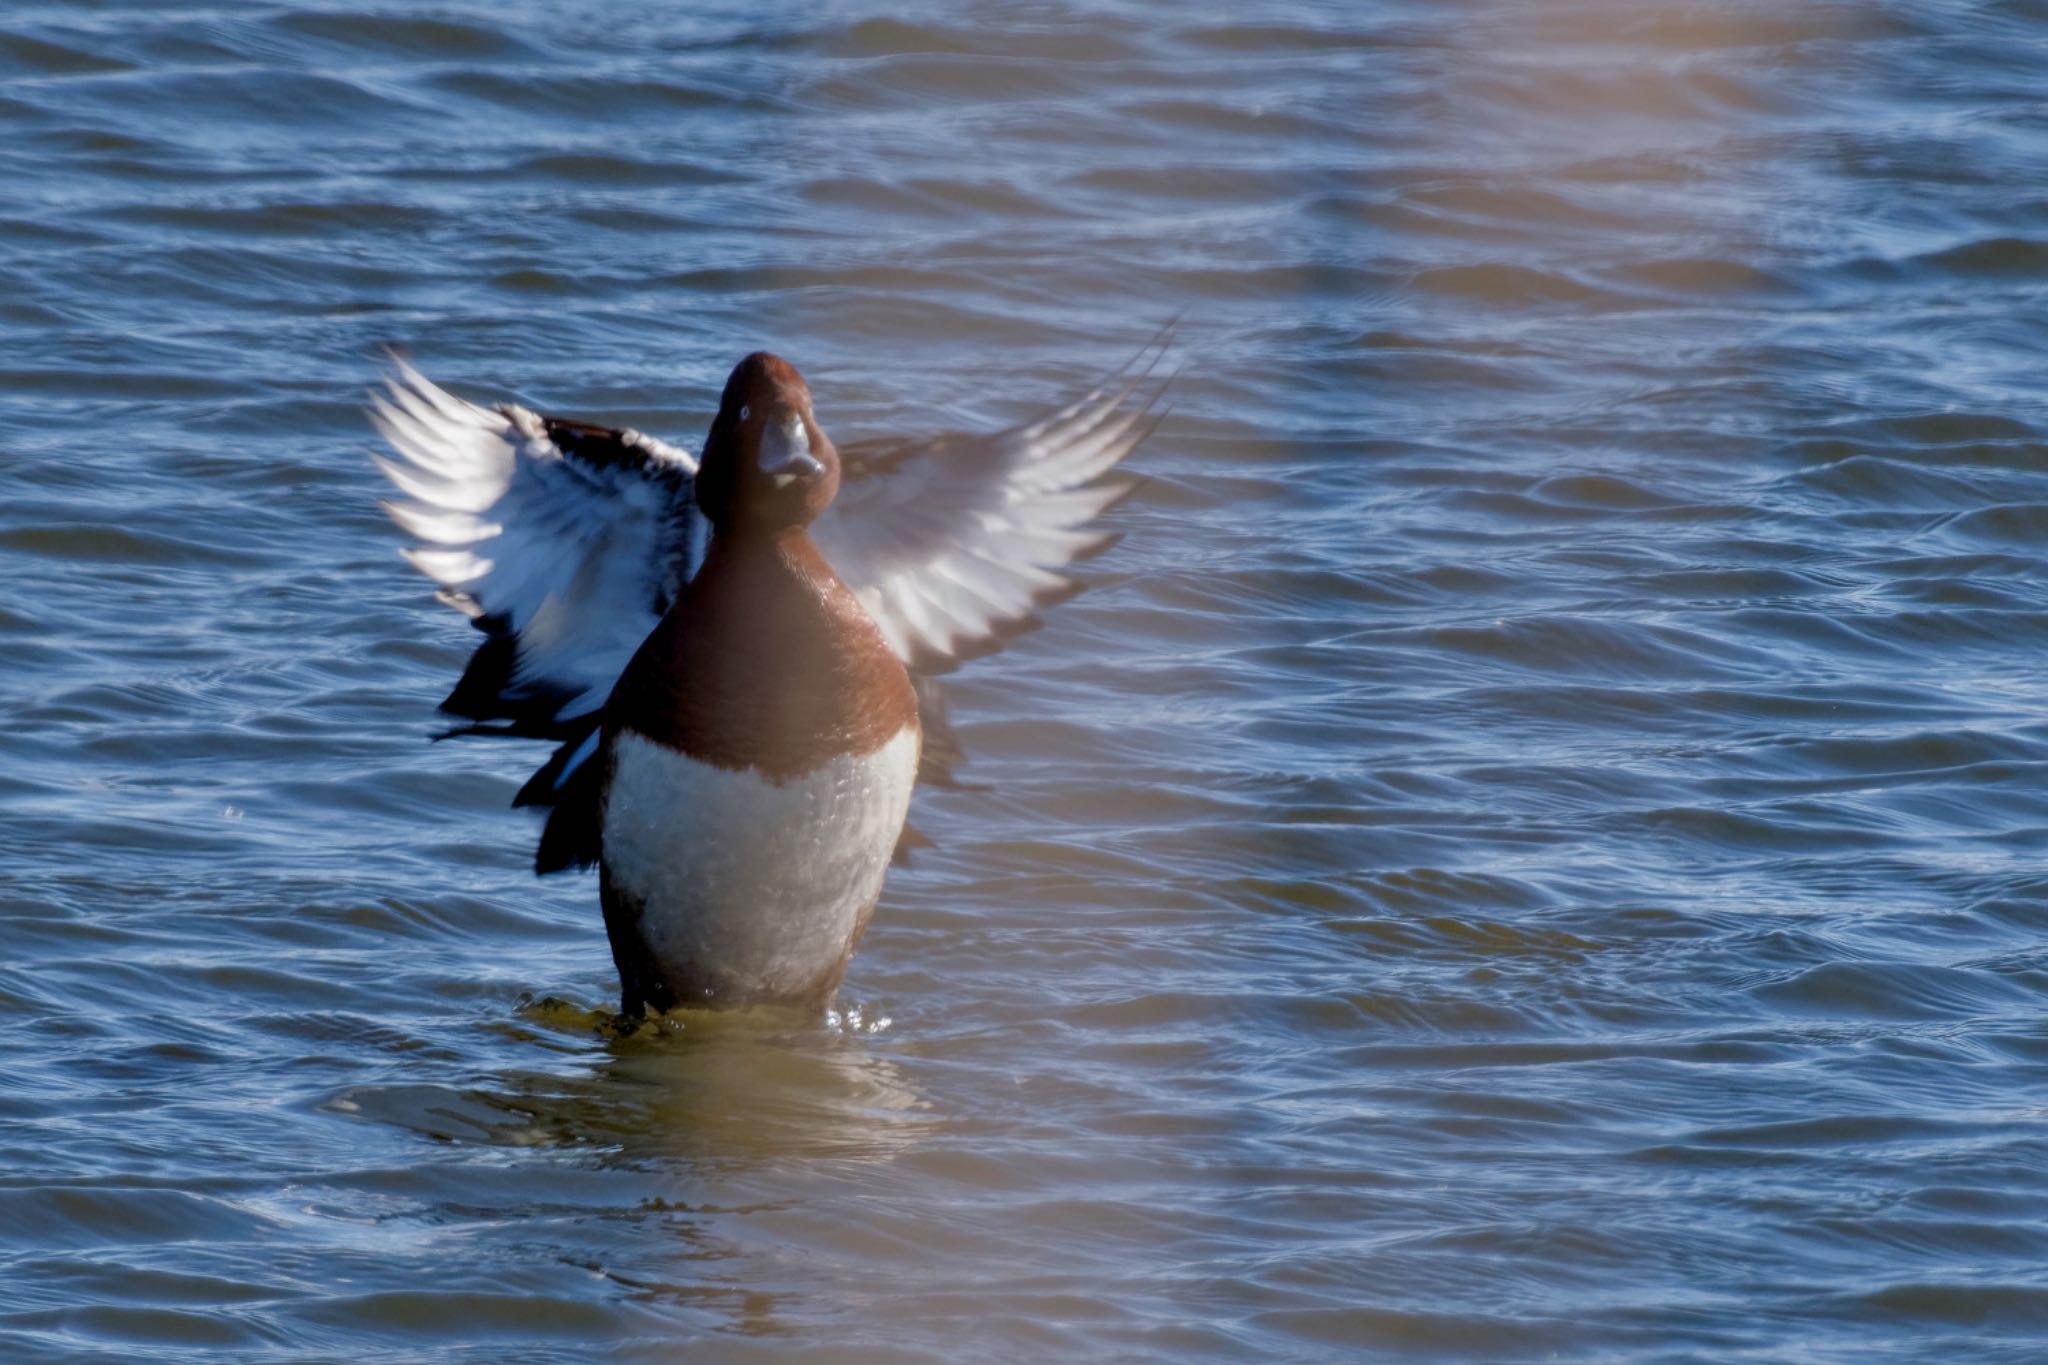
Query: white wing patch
x=953, y=544
x=570, y=561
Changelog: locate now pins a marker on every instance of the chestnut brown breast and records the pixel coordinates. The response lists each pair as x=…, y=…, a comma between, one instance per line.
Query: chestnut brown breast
x=766, y=661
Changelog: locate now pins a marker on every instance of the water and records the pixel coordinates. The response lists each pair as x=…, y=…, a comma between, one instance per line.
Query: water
x=1531, y=848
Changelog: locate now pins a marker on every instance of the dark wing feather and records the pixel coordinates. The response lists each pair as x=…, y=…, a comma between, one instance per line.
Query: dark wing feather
x=941, y=753
x=569, y=785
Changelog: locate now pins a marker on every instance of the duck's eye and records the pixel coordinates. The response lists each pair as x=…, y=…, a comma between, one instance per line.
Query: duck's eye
x=745, y=412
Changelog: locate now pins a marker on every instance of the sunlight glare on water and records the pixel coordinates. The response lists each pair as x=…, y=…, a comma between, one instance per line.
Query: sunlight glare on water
x=1531, y=847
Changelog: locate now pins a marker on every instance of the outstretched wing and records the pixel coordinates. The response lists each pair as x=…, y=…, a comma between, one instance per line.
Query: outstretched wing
x=954, y=544
x=564, y=543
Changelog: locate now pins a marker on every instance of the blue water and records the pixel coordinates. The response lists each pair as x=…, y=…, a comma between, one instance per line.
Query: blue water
x=1534, y=846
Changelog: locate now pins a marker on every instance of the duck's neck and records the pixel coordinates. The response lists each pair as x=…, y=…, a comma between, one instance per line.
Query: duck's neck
x=787, y=553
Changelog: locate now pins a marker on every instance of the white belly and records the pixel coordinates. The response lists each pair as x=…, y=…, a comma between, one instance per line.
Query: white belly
x=749, y=887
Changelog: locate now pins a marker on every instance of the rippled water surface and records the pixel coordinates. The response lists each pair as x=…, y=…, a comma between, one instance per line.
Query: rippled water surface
x=1531, y=848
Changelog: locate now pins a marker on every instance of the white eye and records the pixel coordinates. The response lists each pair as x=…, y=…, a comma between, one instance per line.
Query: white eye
x=745, y=412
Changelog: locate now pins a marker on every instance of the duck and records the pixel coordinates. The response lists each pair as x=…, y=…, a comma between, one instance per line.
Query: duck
x=737, y=655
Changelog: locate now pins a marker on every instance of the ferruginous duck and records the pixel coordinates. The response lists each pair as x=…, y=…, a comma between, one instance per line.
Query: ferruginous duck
x=737, y=656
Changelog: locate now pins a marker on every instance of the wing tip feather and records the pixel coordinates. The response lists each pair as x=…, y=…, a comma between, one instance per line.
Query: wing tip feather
x=933, y=662
x=1102, y=544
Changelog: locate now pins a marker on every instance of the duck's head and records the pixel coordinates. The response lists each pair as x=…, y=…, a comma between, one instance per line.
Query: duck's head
x=768, y=466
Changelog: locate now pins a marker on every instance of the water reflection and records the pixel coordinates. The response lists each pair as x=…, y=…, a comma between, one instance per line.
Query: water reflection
x=705, y=1088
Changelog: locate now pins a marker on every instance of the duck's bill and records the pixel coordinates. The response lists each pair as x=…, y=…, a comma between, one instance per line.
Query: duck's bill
x=786, y=452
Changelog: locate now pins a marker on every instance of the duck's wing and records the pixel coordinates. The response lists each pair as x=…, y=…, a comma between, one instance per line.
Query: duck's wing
x=955, y=544
x=563, y=542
